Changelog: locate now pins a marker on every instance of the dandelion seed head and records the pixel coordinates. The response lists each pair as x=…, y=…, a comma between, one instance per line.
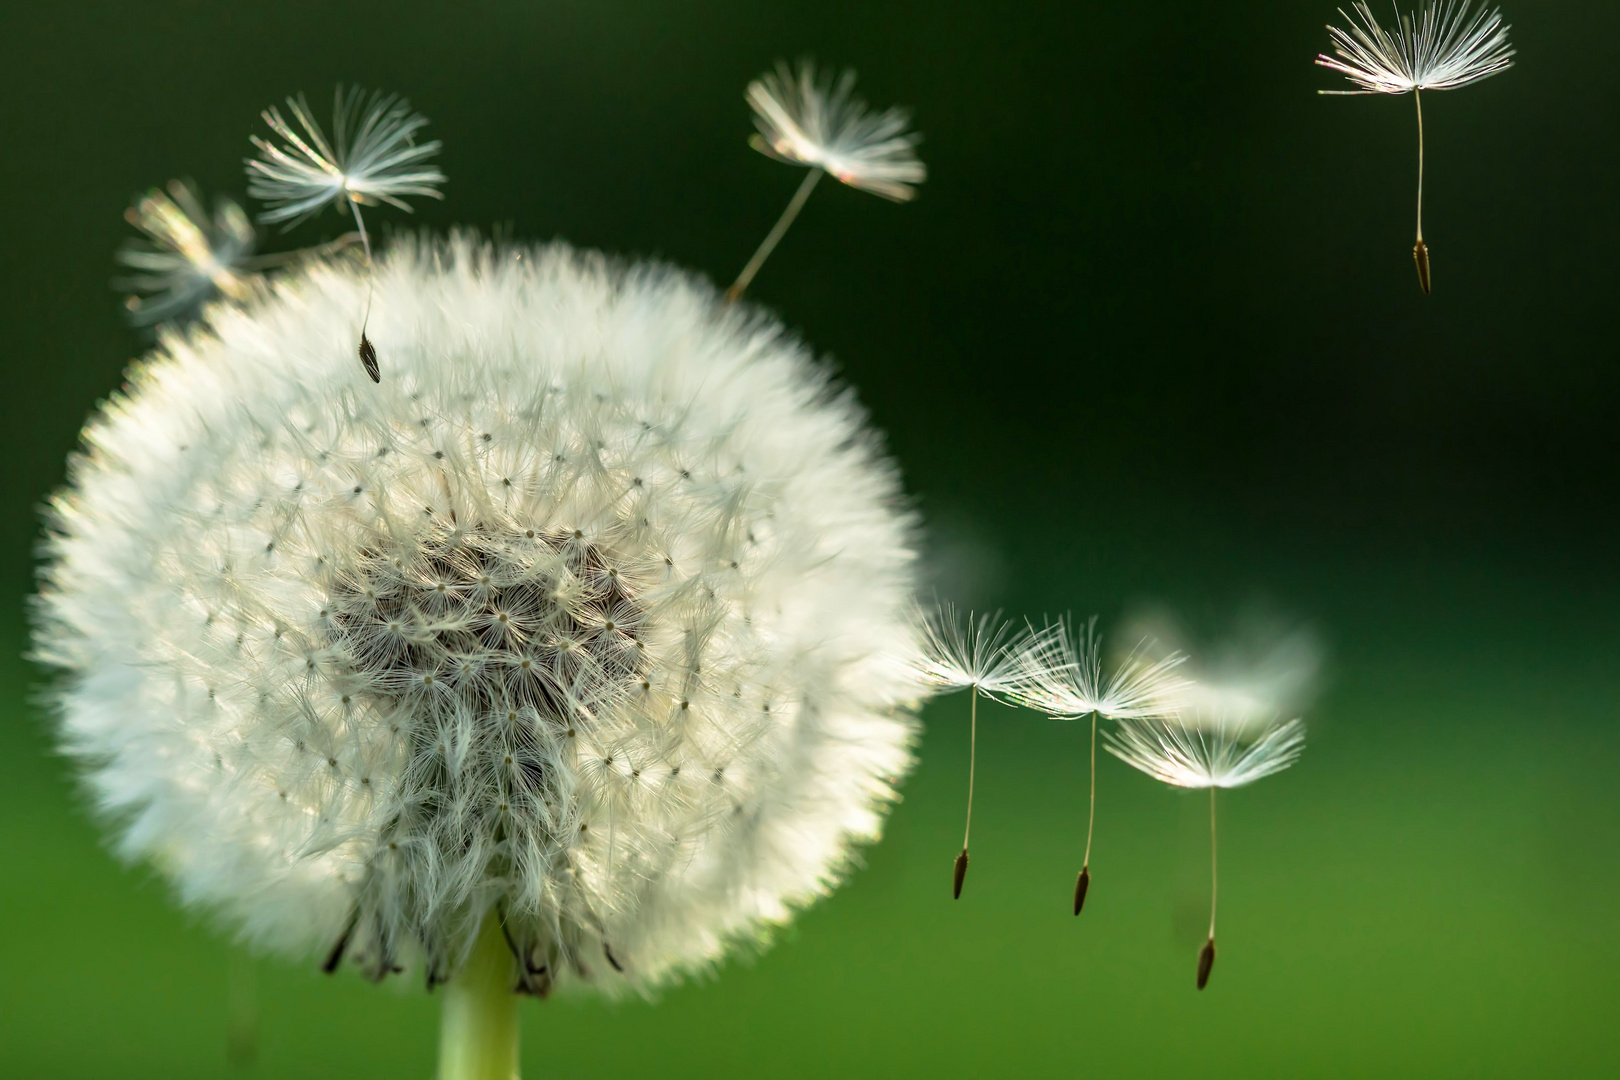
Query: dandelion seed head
x=186, y=257
x=595, y=615
x=1202, y=750
x=372, y=157
x=809, y=119
x=1442, y=47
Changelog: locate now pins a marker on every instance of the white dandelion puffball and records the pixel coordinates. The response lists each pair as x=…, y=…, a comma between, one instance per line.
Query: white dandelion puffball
x=593, y=617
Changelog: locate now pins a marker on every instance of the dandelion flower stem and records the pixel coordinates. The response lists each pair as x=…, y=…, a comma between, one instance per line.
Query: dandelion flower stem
x=478, y=1033
x=774, y=237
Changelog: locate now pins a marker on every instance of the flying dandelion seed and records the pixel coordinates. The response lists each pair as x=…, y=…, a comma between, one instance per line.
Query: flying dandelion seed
x=578, y=652
x=1259, y=668
x=1062, y=676
x=1192, y=750
x=372, y=158
x=187, y=258
x=983, y=656
x=806, y=119
x=1440, y=48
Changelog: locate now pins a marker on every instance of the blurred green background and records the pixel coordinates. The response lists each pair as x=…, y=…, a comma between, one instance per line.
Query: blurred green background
x=1150, y=333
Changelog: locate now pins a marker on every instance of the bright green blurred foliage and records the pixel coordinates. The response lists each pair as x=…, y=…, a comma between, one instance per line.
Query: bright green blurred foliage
x=1428, y=893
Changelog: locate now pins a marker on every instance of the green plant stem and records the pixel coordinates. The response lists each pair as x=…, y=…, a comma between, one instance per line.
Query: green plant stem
x=478, y=1032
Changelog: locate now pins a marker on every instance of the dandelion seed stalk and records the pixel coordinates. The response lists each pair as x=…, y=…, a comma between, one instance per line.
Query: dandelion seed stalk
x=1206, y=956
x=478, y=1027
x=1083, y=882
x=973, y=743
x=365, y=238
x=1420, y=250
x=774, y=237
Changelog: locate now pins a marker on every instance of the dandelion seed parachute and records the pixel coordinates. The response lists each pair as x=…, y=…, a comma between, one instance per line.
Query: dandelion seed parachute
x=186, y=258
x=982, y=656
x=1061, y=675
x=810, y=119
x=1197, y=750
x=1191, y=750
x=1260, y=669
x=373, y=157
x=984, y=653
x=595, y=617
x=1441, y=48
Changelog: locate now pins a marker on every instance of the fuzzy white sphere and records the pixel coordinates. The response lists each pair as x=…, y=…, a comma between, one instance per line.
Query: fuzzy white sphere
x=593, y=616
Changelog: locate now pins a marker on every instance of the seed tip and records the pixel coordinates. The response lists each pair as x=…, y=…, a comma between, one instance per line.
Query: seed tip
x=1081, y=884
x=335, y=957
x=368, y=358
x=1420, y=256
x=1206, y=961
x=959, y=875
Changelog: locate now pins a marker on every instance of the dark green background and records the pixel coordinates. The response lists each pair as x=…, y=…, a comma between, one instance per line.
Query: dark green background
x=1151, y=331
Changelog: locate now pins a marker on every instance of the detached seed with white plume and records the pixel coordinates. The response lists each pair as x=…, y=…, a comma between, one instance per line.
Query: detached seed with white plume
x=1190, y=749
x=1256, y=668
x=809, y=119
x=577, y=652
x=1061, y=675
x=1439, y=48
x=185, y=258
x=372, y=157
x=981, y=656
